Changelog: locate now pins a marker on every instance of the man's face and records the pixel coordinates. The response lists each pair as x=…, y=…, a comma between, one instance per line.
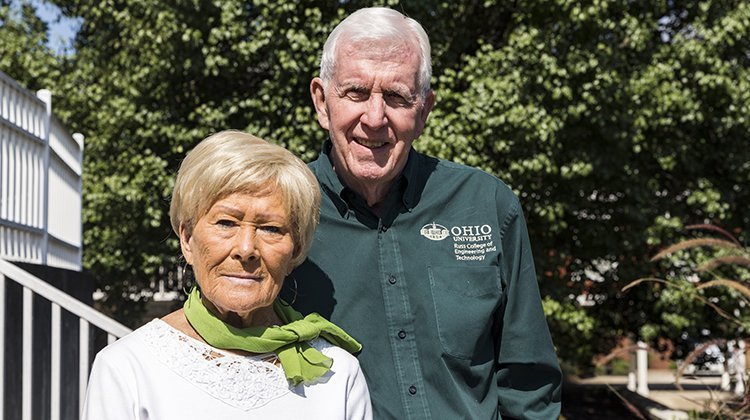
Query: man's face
x=372, y=110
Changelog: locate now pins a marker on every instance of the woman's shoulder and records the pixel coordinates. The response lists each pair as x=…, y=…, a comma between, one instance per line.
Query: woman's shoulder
x=341, y=357
x=132, y=343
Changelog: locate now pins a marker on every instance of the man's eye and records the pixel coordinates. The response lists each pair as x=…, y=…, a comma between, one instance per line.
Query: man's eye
x=225, y=223
x=357, y=95
x=397, y=99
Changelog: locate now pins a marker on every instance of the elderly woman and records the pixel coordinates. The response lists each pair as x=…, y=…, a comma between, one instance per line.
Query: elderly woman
x=245, y=212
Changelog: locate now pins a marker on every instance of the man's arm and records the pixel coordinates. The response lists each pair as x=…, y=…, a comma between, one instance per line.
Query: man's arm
x=528, y=375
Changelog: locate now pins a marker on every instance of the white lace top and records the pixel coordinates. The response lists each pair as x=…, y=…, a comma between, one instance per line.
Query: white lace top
x=157, y=372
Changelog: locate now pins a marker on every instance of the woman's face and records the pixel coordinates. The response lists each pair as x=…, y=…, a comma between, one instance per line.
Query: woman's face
x=241, y=251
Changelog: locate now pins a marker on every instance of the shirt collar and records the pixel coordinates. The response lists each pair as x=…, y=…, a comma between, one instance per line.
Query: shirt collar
x=335, y=188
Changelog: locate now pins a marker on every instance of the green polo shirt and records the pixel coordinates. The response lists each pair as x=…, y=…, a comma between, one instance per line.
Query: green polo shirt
x=440, y=290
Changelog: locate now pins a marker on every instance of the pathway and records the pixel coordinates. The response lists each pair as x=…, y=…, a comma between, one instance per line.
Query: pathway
x=668, y=401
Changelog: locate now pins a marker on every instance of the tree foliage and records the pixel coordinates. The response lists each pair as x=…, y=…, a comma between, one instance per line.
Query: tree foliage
x=616, y=123
x=24, y=53
x=703, y=291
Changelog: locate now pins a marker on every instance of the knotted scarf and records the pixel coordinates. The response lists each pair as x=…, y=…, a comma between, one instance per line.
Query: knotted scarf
x=300, y=361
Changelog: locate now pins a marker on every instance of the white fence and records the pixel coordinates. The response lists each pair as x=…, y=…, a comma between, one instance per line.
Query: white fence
x=47, y=337
x=40, y=181
x=51, y=381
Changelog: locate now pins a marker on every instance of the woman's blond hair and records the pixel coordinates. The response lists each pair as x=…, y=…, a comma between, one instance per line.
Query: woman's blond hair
x=232, y=161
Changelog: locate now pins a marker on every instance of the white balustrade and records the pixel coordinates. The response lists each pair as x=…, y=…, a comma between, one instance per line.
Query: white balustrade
x=59, y=301
x=41, y=167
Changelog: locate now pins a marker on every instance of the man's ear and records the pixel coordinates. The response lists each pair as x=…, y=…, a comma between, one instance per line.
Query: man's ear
x=187, y=250
x=429, y=102
x=318, y=93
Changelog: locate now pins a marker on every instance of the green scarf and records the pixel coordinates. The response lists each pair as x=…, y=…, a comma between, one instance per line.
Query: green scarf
x=300, y=361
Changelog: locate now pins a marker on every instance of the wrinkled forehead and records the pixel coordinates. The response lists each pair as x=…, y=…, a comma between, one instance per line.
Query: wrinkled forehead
x=243, y=192
x=376, y=47
x=403, y=54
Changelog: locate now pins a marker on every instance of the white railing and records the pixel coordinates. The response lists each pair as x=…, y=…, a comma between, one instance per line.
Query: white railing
x=40, y=181
x=59, y=302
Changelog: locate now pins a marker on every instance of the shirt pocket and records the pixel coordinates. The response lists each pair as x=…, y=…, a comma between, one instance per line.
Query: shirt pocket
x=465, y=299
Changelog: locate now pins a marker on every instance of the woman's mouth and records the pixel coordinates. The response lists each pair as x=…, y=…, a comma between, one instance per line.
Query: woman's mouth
x=242, y=277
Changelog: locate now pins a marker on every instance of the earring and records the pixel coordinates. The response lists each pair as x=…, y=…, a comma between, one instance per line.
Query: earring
x=294, y=299
x=186, y=278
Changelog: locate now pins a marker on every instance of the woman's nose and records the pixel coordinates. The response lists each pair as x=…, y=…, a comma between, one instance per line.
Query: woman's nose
x=244, y=244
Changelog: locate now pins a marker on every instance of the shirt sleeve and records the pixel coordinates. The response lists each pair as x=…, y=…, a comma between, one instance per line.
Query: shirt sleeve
x=358, y=405
x=528, y=375
x=110, y=394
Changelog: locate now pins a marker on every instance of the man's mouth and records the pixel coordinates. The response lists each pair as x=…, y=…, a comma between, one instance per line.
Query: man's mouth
x=370, y=144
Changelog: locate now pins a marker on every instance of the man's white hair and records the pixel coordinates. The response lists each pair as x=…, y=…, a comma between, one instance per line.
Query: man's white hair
x=379, y=24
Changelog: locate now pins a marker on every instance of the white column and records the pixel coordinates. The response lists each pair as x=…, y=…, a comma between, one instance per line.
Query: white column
x=79, y=138
x=46, y=97
x=729, y=364
x=83, y=360
x=2, y=343
x=28, y=351
x=56, y=347
x=642, y=373
x=740, y=368
x=631, y=372
x=725, y=381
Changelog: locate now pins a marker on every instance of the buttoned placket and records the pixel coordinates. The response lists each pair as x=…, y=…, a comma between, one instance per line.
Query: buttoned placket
x=401, y=324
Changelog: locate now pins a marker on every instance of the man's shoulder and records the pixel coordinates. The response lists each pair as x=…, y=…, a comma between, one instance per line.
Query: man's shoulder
x=313, y=164
x=448, y=172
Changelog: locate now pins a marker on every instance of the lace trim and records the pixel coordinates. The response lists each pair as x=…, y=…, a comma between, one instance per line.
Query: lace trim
x=245, y=382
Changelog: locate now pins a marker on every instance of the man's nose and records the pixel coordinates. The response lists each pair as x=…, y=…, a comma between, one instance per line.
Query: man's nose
x=244, y=244
x=374, y=114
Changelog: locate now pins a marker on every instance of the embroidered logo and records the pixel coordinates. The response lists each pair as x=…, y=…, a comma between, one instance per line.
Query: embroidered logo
x=434, y=232
x=470, y=242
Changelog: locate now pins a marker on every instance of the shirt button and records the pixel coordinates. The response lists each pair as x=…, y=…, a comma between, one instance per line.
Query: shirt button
x=412, y=390
x=402, y=334
x=392, y=280
x=383, y=228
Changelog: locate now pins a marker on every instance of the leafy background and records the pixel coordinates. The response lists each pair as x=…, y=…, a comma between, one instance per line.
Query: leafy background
x=617, y=123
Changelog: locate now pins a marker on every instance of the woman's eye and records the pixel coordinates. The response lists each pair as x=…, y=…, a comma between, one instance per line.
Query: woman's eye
x=225, y=223
x=271, y=229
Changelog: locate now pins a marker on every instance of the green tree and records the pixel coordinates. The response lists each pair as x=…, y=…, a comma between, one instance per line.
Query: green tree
x=616, y=123
x=150, y=79
x=24, y=55
x=703, y=289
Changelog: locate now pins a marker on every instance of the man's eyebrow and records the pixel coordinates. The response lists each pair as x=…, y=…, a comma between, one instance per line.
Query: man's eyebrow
x=400, y=90
x=351, y=86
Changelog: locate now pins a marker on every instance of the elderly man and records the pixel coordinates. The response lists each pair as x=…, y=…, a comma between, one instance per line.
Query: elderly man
x=425, y=261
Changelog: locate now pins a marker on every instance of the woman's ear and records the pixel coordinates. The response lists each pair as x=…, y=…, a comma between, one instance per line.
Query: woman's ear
x=185, y=235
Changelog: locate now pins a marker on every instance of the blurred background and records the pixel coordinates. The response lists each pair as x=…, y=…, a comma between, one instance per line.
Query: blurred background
x=622, y=126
